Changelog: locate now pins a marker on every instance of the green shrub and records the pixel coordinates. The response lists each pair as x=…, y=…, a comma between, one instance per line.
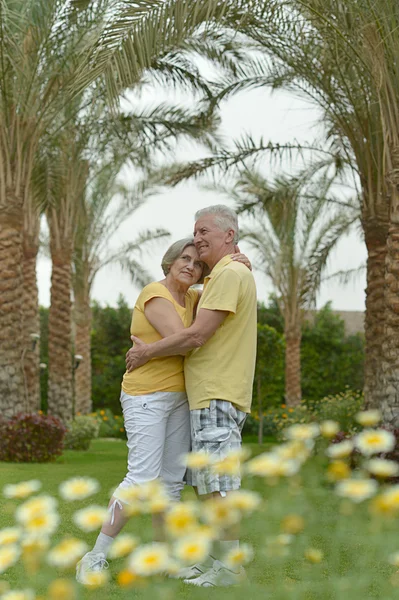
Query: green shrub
x=111, y=426
x=80, y=433
x=31, y=438
x=340, y=407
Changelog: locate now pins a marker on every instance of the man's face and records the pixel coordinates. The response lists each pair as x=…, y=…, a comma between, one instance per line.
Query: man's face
x=210, y=240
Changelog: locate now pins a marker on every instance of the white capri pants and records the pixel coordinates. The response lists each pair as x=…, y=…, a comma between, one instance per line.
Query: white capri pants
x=158, y=435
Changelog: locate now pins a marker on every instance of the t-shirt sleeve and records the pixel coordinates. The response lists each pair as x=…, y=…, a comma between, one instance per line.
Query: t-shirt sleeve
x=152, y=290
x=223, y=292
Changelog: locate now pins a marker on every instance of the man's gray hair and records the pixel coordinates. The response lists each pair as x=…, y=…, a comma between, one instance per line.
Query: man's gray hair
x=175, y=251
x=225, y=217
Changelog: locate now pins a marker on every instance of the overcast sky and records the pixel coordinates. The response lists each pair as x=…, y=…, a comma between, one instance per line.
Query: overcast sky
x=278, y=117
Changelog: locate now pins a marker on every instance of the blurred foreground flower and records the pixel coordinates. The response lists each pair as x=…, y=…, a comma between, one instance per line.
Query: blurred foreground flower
x=95, y=579
x=78, y=488
x=387, y=502
x=292, y=524
x=374, y=441
x=381, y=467
x=197, y=460
x=61, y=589
x=91, y=518
x=243, y=500
x=313, y=555
x=8, y=556
x=35, y=507
x=239, y=556
x=19, y=595
x=181, y=519
x=123, y=545
x=217, y=512
x=340, y=450
x=357, y=490
x=368, y=418
x=302, y=432
x=394, y=559
x=67, y=553
x=338, y=470
x=21, y=490
x=269, y=464
x=192, y=549
x=149, y=559
x=127, y=579
x=329, y=429
x=10, y=535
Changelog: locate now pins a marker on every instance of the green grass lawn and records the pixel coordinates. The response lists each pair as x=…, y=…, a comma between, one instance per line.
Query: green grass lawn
x=356, y=546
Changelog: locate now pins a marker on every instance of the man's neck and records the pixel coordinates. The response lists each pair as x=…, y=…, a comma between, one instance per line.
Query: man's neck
x=214, y=261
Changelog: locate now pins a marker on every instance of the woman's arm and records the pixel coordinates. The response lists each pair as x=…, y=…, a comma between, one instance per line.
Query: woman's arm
x=163, y=316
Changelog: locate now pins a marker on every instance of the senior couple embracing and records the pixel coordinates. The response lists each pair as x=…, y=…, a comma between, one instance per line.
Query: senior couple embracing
x=189, y=377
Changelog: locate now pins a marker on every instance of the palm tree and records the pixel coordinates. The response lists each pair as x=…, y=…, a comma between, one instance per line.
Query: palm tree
x=293, y=232
x=51, y=51
x=343, y=58
x=106, y=207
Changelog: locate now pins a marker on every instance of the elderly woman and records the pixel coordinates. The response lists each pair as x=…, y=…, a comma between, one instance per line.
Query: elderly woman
x=153, y=397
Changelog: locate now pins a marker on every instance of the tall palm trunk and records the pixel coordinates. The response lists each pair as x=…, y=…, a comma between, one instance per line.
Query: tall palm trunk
x=31, y=318
x=60, y=387
x=293, y=392
x=12, y=390
x=389, y=379
x=376, y=242
x=82, y=318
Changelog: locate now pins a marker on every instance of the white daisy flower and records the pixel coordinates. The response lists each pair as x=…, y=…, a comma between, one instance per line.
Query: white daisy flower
x=91, y=518
x=123, y=545
x=197, y=460
x=368, y=418
x=356, y=490
x=340, y=450
x=10, y=535
x=149, y=559
x=192, y=549
x=42, y=525
x=239, y=556
x=181, y=519
x=218, y=513
x=22, y=489
x=78, y=488
x=19, y=595
x=67, y=553
x=34, y=507
x=329, y=429
x=270, y=464
x=374, y=441
x=381, y=467
x=8, y=556
x=306, y=431
x=244, y=500
x=95, y=579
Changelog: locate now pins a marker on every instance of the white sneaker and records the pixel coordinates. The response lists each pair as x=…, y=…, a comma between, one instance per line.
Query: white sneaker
x=91, y=561
x=219, y=575
x=191, y=572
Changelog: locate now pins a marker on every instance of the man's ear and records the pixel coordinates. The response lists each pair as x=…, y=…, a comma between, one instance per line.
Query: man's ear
x=229, y=236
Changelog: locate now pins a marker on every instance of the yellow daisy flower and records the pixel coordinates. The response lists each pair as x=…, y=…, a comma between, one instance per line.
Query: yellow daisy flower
x=307, y=431
x=78, y=488
x=374, y=441
x=243, y=500
x=329, y=429
x=19, y=595
x=181, y=519
x=219, y=513
x=382, y=468
x=95, y=579
x=368, y=418
x=239, y=556
x=340, y=450
x=91, y=518
x=67, y=553
x=61, y=589
x=8, y=556
x=10, y=535
x=21, y=490
x=197, y=460
x=313, y=555
x=192, y=549
x=123, y=545
x=149, y=559
x=356, y=490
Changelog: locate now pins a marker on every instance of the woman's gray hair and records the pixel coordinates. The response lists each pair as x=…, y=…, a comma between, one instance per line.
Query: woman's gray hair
x=175, y=251
x=225, y=217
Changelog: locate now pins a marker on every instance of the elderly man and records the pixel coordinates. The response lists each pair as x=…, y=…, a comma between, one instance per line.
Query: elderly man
x=220, y=369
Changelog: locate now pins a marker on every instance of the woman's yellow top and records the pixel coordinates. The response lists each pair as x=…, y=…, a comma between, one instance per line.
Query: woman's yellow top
x=166, y=373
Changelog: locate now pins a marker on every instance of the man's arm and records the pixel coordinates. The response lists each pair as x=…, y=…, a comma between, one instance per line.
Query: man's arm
x=197, y=335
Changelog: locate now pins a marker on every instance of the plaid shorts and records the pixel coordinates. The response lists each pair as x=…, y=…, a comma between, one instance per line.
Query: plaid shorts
x=215, y=430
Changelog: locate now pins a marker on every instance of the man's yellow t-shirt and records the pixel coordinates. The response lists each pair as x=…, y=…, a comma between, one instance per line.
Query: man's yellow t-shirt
x=224, y=367
x=163, y=374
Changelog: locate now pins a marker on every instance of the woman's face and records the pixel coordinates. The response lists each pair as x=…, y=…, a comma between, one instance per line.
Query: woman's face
x=187, y=269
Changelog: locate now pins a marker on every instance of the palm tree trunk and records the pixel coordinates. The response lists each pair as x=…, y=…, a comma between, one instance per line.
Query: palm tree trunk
x=12, y=390
x=60, y=389
x=293, y=392
x=376, y=242
x=31, y=327
x=82, y=317
x=389, y=379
